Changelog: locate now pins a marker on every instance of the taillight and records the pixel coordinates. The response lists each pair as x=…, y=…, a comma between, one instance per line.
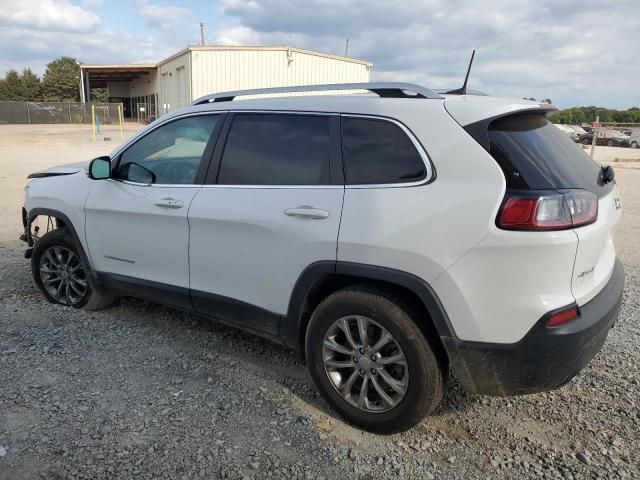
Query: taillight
x=563, y=316
x=583, y=207
x=548, y=211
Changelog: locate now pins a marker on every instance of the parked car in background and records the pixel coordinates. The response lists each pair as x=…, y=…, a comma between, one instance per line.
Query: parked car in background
x=634, y=138
x=568, y=131
x=579, y=130
x=609, y=139
x=616, y=136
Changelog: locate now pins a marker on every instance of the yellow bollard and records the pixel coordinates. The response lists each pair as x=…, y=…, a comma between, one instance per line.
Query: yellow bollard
x=93, y=121
x=120, y=120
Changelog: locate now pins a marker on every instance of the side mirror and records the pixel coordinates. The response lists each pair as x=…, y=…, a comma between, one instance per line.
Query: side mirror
x=100, y=168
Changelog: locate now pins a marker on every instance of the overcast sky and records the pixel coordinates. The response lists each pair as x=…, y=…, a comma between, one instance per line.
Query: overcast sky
x=576, y=52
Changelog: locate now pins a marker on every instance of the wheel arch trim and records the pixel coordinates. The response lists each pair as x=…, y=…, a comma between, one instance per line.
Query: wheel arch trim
x=316, y=272
x=49, y=212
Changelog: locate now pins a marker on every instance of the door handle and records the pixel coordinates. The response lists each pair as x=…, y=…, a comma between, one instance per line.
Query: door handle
x=307, y=212
x=169, y=203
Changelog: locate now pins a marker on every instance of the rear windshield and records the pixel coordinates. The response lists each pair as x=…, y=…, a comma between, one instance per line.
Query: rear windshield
x=535, y=155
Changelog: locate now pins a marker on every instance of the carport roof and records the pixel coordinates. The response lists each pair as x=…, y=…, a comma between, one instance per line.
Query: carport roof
x=99, y=75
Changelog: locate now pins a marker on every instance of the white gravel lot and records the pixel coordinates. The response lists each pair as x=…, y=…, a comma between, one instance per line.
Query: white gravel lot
x=144, y=391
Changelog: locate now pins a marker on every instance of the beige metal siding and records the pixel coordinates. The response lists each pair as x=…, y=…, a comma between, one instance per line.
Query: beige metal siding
x=144, y=85
x=222, y=70
x=175, y=87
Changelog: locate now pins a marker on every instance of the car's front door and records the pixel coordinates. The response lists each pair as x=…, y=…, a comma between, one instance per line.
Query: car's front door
x=136, y=222
x=271, y=208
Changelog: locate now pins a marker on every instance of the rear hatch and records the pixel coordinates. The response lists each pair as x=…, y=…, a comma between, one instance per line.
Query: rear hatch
x=535, y=156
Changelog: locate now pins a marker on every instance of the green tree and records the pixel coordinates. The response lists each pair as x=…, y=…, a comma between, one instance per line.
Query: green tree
x=61, y=80
x=100, y=95
x=11, y=86
x=578, y=115
x=605, y=115
x=31, y=89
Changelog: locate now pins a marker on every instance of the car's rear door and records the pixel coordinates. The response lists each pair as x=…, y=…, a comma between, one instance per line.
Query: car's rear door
x=136, y=222
x=271, y=207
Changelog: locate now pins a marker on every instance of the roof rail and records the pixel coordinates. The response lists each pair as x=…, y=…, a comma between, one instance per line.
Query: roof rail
x=382, y=89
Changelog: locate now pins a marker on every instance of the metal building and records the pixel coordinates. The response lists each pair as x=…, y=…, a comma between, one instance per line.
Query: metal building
x=155, y=89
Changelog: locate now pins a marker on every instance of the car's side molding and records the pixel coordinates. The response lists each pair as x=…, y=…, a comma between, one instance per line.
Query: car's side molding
x=171, y=295
x=226, y=310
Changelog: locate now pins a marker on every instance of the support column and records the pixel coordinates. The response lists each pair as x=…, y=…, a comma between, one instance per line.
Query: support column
x=82, y=97
x=87, y=89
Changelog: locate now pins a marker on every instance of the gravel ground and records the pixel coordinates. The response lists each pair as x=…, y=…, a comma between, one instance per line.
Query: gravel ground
x=143, y=391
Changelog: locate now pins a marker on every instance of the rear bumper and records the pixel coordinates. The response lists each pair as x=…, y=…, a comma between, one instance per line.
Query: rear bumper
x=545, y=358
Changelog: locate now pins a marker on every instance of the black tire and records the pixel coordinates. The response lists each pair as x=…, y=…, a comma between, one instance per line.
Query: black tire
x=610, y=143
x=426, y=375
x=634, y=144
x=585, y=141
x=92, y=299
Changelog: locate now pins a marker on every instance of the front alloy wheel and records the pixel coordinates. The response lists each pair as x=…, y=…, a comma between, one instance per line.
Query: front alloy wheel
x=63, y=275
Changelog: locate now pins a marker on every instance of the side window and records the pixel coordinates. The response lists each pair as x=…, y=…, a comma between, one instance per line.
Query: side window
x=170, y=154
x=276, y=149
x=379, y=152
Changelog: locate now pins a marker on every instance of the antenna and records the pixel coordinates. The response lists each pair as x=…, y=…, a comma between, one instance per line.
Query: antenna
x=201, y=33
x=289, y=54
x=463, y=89
x=346, y=48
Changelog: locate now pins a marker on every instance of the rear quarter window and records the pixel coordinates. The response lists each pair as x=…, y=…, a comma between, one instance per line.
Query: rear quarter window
x=379, y=152
x=535, y=155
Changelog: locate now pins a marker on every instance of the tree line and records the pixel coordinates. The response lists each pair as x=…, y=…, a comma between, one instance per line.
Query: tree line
x=580, y=115
x=60, y=83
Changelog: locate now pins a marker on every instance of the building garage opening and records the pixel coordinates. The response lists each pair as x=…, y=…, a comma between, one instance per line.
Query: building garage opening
x=132, y=85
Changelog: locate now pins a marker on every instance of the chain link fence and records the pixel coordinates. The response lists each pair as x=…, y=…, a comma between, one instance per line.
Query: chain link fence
x=57, y=112
x=614, y=134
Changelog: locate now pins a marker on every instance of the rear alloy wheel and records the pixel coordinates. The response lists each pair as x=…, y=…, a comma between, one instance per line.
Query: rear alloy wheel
x=372, y=362
x=367, y=368
x=61, y=274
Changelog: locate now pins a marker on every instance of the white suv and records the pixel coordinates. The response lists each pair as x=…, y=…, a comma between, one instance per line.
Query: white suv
x=390, y=236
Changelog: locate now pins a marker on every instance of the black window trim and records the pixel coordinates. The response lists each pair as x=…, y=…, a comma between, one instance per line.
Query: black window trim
x=206, y=155
x=430, y=175
x=336, y=172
